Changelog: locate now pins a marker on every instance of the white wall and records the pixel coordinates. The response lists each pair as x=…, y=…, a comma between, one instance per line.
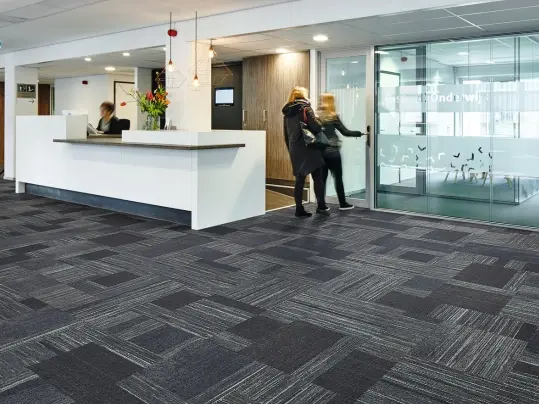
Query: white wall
x=143, y=83
x=190, y=107
x=122, y=94
x=71, y=94
x=14, y=107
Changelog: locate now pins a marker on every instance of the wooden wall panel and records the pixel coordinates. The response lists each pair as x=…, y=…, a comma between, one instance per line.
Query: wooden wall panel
x=254, y=92
x=267, y=82
x=284, y=72
x=44, y=99
x=1, y=123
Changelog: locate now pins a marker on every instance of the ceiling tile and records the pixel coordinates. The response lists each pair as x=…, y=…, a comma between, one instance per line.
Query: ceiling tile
x=272, y=43
x=243, y=38
x=34, y=11
x=8, y=5
x=496, y=17
x=492, y=6
x=439, y=24
x=304, y=30
x=512, y=26
x=69, y=4
x=340, y=40
x=225, y=50
x=436, y=35
x=334, y=31
x=401, y=18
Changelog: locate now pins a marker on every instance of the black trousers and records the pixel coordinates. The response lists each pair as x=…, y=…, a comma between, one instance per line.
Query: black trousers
x=319, y=188
x=334, y=164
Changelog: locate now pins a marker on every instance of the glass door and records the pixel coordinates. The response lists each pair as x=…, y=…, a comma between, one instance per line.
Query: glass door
x=349, y=76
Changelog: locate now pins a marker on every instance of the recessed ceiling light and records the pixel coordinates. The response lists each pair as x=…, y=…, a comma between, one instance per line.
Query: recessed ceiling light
x=463, y=53
x=88, y=59
x=354, y=62
x=320, y=38
x=110, y=68
x=281, y=50
x=380, y=52
x=126, y=54
x=165, y=48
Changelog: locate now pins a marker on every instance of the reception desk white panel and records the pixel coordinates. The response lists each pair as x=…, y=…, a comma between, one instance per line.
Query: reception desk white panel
x=221, y=183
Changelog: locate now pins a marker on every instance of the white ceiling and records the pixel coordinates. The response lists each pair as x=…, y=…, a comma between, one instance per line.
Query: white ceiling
x=153, y=58
x=32, y=23
x=467, y=21
x=425, y=25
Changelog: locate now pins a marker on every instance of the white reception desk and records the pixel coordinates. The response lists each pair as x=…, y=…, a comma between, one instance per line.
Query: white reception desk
x=212, y=177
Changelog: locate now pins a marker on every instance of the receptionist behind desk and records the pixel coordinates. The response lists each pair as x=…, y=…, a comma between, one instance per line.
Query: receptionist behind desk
x=108, y=124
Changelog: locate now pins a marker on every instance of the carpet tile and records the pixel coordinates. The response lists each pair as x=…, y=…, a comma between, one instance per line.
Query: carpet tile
x=359, y=307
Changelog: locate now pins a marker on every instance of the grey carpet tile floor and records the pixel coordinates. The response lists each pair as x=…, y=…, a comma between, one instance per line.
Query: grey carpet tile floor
x=361, y=307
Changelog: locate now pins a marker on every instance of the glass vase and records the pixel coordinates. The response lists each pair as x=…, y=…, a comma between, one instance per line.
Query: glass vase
x=152, y=123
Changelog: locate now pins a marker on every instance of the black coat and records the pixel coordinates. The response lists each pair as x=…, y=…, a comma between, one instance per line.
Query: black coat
x=304, y=160
x=114, y=128
x=332, y=125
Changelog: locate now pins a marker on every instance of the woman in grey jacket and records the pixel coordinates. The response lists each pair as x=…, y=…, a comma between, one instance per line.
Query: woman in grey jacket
x=332, y=155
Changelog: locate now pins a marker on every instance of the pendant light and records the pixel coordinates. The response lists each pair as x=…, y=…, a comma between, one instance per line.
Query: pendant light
x=171, y=32
x=211, y=51
x=196, y=82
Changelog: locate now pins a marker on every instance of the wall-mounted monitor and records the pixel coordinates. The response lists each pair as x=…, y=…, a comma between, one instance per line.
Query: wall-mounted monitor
x=224, y=97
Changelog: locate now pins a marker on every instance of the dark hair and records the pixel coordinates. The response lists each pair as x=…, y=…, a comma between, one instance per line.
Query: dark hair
x=108, y=106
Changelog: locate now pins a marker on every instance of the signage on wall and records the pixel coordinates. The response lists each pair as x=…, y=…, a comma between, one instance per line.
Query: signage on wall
x=26, y=91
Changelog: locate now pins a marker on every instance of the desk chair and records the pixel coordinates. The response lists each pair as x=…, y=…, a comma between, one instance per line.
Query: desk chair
x=124, y=124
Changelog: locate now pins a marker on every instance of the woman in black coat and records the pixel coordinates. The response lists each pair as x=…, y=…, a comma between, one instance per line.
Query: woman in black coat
x=305, y=160
x=332, y=155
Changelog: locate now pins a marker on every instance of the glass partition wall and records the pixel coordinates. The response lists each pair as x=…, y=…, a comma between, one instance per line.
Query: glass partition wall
x=457, y=129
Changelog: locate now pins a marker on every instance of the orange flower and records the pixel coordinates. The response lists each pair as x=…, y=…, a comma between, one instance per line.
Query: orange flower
x=123, y=104
x=167, y=102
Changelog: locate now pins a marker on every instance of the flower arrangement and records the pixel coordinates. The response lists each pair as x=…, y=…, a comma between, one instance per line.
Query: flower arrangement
x=153, y=104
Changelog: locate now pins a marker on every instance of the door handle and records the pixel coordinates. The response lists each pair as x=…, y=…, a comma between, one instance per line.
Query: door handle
x=264, y=115
x=243, y=116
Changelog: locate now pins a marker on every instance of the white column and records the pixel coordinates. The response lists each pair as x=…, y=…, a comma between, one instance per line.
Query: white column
x=314, y=78
x=190, y=106
x=13, y=107
x=314, y=93
x=143, y=83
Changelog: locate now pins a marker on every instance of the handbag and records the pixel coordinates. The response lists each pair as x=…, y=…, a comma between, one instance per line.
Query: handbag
x=313, y=140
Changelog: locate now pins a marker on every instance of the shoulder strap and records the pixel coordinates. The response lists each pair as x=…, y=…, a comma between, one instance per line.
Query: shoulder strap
x=305, y=114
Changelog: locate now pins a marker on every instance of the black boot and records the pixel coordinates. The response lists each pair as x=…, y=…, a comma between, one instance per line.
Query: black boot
x=301, y=212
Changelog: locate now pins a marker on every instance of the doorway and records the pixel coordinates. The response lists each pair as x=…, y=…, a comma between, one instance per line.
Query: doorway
x=349, y=75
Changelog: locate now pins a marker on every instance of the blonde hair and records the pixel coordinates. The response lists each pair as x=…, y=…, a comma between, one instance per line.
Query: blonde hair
x=298, y=93
x=327, y=106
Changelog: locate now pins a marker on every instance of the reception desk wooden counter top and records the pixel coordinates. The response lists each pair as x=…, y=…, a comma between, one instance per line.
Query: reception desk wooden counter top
x=205, y=178
x=120, y=143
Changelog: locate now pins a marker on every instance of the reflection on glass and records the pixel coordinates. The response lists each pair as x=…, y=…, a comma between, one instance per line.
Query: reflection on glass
x=457, y=133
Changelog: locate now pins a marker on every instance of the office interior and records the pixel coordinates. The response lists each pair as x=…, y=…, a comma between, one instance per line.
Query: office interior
x=258, y=71
x=373, y=305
